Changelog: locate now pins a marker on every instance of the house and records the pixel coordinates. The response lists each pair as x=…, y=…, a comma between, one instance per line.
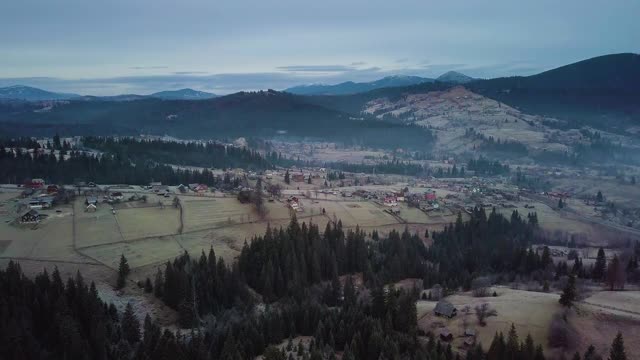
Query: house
x=430, y=196
x=182, y=189
x=160, y=189
x=28, y=192
x=117, y=195
x=43, y=202
x=91, y=200
x=294, y=204
x=199, y=188
x=91, y=208
x=394, y=210
x=155, y=183
x=35, y=184
x=390, y=201
x=297, y=177
x=52, y=189
x=30, y=217
x=445, y=334
x=445, y=309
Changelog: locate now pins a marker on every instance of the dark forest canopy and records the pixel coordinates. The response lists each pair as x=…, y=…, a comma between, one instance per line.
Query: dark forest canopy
x=16, y=168
x=267, y=114
x=209, y=154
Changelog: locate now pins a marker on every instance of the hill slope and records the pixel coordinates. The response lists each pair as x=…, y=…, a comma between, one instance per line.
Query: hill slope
x=351, y=87
x=28, y=93
x=183, y=94
x=602, y=92
x=455, y=78
x=264, y=114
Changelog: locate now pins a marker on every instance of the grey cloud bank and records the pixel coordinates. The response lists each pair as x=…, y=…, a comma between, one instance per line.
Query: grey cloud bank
x=141, y=46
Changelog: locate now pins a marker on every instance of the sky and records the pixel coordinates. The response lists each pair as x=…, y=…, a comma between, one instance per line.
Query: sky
x=221, y=46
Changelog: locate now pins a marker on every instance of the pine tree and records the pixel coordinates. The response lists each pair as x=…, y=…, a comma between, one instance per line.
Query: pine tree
x=617, y=349
x=130, y=325
x=123, y=271
x=158, y=284
x=600, y=266
x=287, y=177
x=599, y=197
x=148, y=287
x=569, y=292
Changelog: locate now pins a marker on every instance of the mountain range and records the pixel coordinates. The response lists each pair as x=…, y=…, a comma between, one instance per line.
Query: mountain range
x=28, y=93
x=602, y=93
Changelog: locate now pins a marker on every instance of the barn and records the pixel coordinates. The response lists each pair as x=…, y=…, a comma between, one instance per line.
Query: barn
x=30, y=217
x=445, y=309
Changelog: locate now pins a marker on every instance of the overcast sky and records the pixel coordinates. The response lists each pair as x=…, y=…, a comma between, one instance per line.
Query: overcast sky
x=105, y=47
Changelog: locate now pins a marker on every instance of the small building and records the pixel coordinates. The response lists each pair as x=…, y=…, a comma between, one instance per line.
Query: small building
x=390, y=201
x=445, y=334
x=27, y=192
x=43, y=202
x=35, y=184
x=430, y=196
x=445, y=309
x=468, y=332
x=159, y=189
x=91, y=200
x=199, y=188
x=182, y=189
x=155, y=183
x=117, y=195
x=91, y=208
x=52, y=189
x=30, y=217
x=297, y=177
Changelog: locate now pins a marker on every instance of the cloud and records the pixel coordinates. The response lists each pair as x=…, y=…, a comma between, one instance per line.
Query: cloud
x=316, y=68
x=190, y=72
x=358, y=63
x=148, y=67
x=401, y=61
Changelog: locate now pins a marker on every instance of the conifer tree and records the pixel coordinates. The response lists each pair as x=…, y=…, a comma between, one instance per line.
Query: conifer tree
x=617, y=351
x=123, y=271
x=600, y=266
x=130, y=325
x=569, y=292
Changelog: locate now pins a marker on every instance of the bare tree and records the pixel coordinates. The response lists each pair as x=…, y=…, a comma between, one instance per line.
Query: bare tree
x=484, y=311
x=480, y=286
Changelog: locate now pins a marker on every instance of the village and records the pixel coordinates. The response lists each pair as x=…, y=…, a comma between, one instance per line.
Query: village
x=88, y=226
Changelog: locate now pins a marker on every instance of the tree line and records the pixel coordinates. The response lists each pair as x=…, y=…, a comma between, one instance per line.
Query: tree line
x=17, y=166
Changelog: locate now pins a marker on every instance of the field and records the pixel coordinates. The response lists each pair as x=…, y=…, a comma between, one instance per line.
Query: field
x=148, y=222
x=596, y=320
x=204, y=213
x=530, y=312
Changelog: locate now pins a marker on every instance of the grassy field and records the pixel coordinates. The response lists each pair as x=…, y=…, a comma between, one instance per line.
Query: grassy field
x=530, y=312
x=138, y=253
x=148, y=222
x=204, y=213
x=96, y=228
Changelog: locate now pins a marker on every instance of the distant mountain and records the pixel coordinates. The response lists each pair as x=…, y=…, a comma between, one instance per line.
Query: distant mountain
x=454, y=77
x=603, y=92
x=248, y=114
x=183, y=94
x=351, y=87
x=615, y=72
x=27, y=93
